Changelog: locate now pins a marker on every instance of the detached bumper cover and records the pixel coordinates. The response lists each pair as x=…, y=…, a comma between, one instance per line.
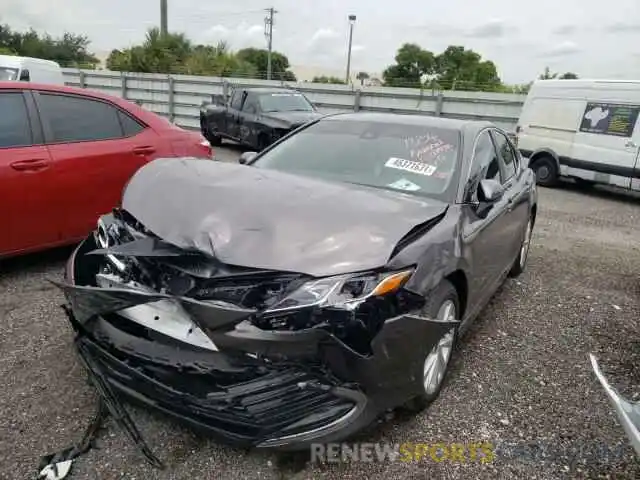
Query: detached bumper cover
x=267, y=389
x=628, y=412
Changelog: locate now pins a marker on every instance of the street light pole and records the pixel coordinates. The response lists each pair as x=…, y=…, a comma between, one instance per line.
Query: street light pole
x=163, y=18
x=352, y=20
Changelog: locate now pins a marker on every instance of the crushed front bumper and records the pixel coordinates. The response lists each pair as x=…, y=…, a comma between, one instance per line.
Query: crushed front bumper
x=254, y=388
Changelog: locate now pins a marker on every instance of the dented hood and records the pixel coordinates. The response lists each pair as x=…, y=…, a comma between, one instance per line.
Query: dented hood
x=267, y=219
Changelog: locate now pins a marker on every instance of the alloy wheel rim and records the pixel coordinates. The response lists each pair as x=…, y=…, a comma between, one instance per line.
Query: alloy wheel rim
x=524, y=250
x=436, y=363
x=542, y=172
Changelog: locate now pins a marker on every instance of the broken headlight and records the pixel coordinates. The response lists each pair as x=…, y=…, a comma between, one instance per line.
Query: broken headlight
x=347, y=291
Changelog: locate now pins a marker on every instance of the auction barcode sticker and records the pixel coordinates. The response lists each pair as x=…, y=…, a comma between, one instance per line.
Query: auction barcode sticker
x=410, y=166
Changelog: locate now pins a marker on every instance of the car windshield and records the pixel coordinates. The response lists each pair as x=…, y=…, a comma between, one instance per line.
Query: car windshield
x=7, y=74
x=284, y=102
x=394, y=156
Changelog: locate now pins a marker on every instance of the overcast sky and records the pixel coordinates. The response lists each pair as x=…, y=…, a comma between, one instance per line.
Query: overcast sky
x=589, y=37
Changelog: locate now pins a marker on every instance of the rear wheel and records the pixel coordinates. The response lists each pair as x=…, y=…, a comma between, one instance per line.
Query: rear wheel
x=546, y=170
x=443, y=304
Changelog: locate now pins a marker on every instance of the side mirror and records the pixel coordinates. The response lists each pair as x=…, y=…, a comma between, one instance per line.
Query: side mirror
x=246, y=157
x=490, y=191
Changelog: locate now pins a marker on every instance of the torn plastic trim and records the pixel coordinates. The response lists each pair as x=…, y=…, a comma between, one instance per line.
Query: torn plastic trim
x=628, y=412
x=389, y=375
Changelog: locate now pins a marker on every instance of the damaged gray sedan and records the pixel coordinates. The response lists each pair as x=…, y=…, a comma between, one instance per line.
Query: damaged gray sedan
x=298, y=297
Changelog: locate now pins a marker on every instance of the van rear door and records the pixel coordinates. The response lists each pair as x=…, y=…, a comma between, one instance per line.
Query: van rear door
x=606, y=144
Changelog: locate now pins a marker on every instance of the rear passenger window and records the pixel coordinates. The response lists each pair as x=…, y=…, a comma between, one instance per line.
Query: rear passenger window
x=15, y=129
x=506, y=153
x=76, y=119
x=130, y=126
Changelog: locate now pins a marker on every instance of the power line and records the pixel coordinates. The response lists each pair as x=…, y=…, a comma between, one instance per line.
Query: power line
x=268, y=32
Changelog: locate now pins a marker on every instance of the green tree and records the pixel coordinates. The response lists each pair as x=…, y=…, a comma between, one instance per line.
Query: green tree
x=362, y=76
x=460, y=69
x=259, y=58
x=325, y=79
x=455, y=68
x=568, y=76
x=413, y=65
x=547, y=75
x=69, y=50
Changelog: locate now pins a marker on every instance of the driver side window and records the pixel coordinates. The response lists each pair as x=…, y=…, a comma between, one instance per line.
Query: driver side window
x=484, y=164
x=236, y=99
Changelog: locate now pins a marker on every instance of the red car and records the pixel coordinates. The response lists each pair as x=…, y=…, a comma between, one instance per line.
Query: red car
x=66, y=154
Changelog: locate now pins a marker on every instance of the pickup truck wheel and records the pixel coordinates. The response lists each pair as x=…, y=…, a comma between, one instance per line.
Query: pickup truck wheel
x=213, y=139
x=263, y=142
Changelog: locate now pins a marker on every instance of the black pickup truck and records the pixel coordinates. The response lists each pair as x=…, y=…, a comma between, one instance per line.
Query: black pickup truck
x=255, y=117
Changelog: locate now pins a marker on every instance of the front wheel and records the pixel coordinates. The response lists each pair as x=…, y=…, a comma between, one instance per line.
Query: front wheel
x=521, y=261
x=443, y=304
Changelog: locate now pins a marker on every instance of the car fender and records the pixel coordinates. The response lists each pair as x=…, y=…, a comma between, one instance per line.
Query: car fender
x=545, y=151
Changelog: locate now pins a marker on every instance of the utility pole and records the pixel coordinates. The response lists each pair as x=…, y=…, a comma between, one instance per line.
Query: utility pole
x=164, y=29
x=268, y=32
x=352, y=20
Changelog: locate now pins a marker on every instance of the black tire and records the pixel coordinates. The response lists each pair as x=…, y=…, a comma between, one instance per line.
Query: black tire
x=584, y=184
x=263, y=142
x=441, y=294
x=519, y=265
x=212, y=138
x=546, y=170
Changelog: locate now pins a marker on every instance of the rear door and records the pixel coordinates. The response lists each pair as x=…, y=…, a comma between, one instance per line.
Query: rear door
x=604, y=150
x=26, y=182
x=95, y=148
x=517, y=201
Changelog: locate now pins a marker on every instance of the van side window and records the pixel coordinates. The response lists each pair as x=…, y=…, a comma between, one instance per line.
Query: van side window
x=507, y=154
x=76, y=119
x=15, y=128
x=25, y=76
x=609, y=119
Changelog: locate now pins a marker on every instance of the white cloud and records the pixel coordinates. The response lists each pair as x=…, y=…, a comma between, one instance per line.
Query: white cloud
x=519, y=40
x=241, y=36
x=562, y=49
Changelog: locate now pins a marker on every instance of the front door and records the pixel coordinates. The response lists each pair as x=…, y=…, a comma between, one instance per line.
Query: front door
x=485, y=227
x=27, y=218
x=233, y=113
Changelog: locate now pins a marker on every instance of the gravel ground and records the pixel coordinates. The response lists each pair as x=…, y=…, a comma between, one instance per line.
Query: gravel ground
x=521, y=377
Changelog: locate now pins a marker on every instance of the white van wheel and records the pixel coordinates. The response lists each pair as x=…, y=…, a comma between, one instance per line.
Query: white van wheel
x=546, y=170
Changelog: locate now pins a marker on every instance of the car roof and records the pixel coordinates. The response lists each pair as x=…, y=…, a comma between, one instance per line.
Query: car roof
x=154, y=120
x=469, y=127
x=269, y=90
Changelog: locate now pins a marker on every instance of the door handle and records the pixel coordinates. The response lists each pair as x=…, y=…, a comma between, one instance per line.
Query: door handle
x=146, y=150
x=631, y=144
x=32, y=164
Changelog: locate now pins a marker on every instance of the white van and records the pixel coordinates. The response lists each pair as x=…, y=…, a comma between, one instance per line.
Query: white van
x=27, y=69
x=587, y=130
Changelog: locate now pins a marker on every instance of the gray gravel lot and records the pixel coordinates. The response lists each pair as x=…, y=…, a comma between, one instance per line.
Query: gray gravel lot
x=522, y=375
